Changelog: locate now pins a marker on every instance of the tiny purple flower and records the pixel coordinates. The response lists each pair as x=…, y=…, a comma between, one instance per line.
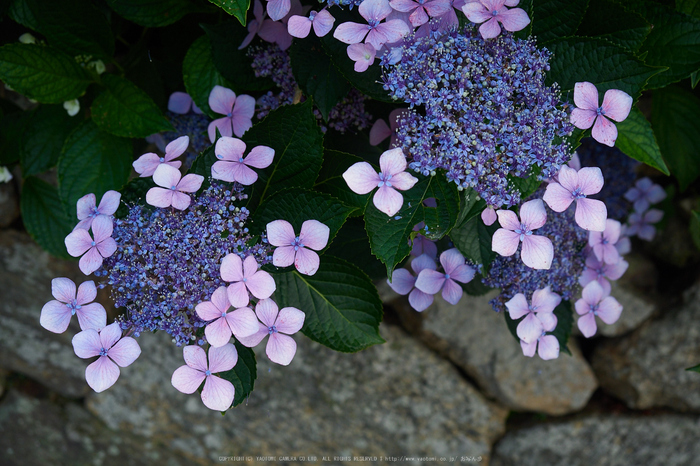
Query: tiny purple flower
x=576, y=186
x=537, y=251
x=596, y=302
x=87, y=209
x=539, y=316
x=641, y=224
x=456, y=270
x=403, y=282
x=56, y=314
x=297, y=249
x=645, y=193
x=222, y=323
x=217, y=393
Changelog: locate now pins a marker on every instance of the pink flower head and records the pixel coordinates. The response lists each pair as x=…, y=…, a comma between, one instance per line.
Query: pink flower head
x=217, y=393
x=268, y=30
x=537, y=251
x=113, y=351
x=56, y=314
x=596, y=302
x=576, y=186
x=296, y=249
x=363, y=55
x=240, y=322
x=644, y=193
x=79, y=242
x=641, y=224
x=456, y=270
x=600, y=272
x=361, y=179
x=182, y=103
x=603, y=243
x=88, y=211
x=492, y=12
x=232, y=166
x=280, y=348
x=380, y=130
x=547, y=347
x=238, y=110
x=300, y=26
x=422, y=245
x=421, y=10
x=245, y=277
x=616, y=105
x=378, y=33
x=539, y=316
x=147, y=164
x=488, y=215
x=403, y=282
x=173, y=190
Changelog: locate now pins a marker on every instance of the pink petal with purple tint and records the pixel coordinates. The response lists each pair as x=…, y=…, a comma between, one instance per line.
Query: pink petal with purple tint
x=283, y=256
x=86, y=344
x=179, y=102
x=422, y=262
x=254, y=339
x=361, y=178
x=221, y=100
x=228, y=148
x=528, y=348
x=532, y=214
x=582, y=118
x=55, y=316
x=388, y=200
x=404, y=6
x=91, y=261
x=401, y=281
x=403, y=181
x=78, y=242
x=490, y=29
x=591, y=214
x=195, y=357
x=101, y=374
x=586, y=323
x=420, y=301
x=323, y=23
x=176, y=147
x=351, y=33
x=190, y=183
x=451, y=260
x=505, y=242
x=392, y=162
x=548, y=319
x=63, y=289
x=545, y=300
x=379, y=132
x=260, y=157
x=557, y=197
x=237, y=292
x=488, y=216
x=243, y=114
x=223, y=124
x=530, y=328
x=281, y=349
x=617, y=104
x=586, y=96
x=508, y=220
x=86, y=205
x=180, y=201
x=242, y=322
x=609, y=310
x=222, y=359
x=514, y=20
x=110, y=202
x=146, y=164
x=476, y=12
x=517, y=306
x=159, y=197
x=548, y=347
x=261, y=285
x=604, y=131
x=278, y=9
x=267, y=311
x=537, y=252
x=218, y=332
x=125, y=351
x=418, y=17
x=375, y=9
x=430, y=281
x=232, y=268
x=299, y=26
x=187, y=380
x=306, y=261
x=314, y=234
x=92, y=316
x=280, y=233
x=393, y=31
x=451, y=291
x=217, y=393
x=290, y=320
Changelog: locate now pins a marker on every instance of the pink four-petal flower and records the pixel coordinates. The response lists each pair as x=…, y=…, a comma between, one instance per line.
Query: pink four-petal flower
x=87, y=209
x=596, y=302
x=244, y=277
x=547, y=347
x=113, y=351
x=640, y=224
x=270, y=31
x=361, y=179
x=363, y=55
x=232, y=166
x=603, y=243
x=93, y=250
x=539, y=316
x=217, y=393
x=421, y=10
x=616, y=105
x=599, y=271
x=492, y=12
x=297, y=249
x=147, y=164
x=238, y=112
x=378, y=33
x=56, y=314
x=300, y=26
x=456, y=270
x=174, y=190
x=239, y=322
x=644, y=193
x=403, y=282
x=577, y=186
x=537, y=251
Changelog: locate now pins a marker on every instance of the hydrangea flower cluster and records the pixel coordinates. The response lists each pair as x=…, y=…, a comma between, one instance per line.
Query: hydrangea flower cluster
x=488, y=114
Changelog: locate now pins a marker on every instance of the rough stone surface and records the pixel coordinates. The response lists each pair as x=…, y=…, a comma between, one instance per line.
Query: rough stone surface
x=647, y=368
x=625, y=440
x=40, y=431
x=476, y=338
x=26, y=272
x=9, y=204
x=398, y=398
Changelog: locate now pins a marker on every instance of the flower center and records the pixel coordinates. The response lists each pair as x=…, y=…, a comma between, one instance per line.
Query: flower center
x=523, y=231
x=103, y=352
x=229, y=114
x=600, y=111
x=312, y=15
x=494, y=13
x=207, y=372
x=219, y=156
x=297, y=244
x=271, y=330
x=173, y=187
x=577, y=194
x=384, y=180
x=162, y=159
x=594, y=309
x=240, y=159
x=92, y=243
x=372, y=23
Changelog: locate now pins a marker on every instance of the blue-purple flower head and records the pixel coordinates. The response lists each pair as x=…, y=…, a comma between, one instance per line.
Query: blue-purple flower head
x=486, y=113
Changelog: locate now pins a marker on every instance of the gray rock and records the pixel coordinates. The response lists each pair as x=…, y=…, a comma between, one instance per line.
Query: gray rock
x=26, y=272
x=38, y=431
x=9, y=204
x=476, y=339
x=397, y=399
x=647, y=368
x=625, y=440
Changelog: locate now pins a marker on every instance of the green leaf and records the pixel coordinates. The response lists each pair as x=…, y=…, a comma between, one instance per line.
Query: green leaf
x=200, y=75
x=152, y=13
x=12, y=129
x=675, y=117
x=389, y=236
x=470, y=206
x=473, y=239
x=232, y=63
x=243, y=374
x=695, y=227
x=76, y=27
x=689, y=7
x=556, y=18
x=125, y=110
x=298, y=143
x=608, y=20
x=527, y=186
x=674, y=42
x=565, y=321
x=43, y=138
x=331, y=181
x=42, y=73
x=352, y=244
x=694, y=368
x=92, y=161
x=134, y=193
x=635, y=138
x=316, y=75
x=695, y=79
x=342, y=307
x=297, y=205
x=202, y=165
x=598, y=61
x=44, y=216
x=236, y=8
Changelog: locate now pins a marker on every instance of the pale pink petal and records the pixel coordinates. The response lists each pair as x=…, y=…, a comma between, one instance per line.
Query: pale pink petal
x=218, y=332
x=548, y=319
x=77, y=242
x=242, y=114
x=476, y=12
x=101, y=374
x=404, y=6
x=617, y=104
x=351, y=33
x=323, y=23
x=609, y=310
x=110, y=335
x=190, y=183
x=548, y=347
x=514, y=19
x=280, y=233
x=223, y=358
x=228, y=148
x=267, y=311
x=187, y=380
x=379, y=132
x=176, y=148
x=91, y=261
x=532, y=214
x=275, y=32
x=92, y=316
x=278, y=9
x=451, y=291
x=314, y=234
x=392, y=31
x=401, y=282
x=463, y=274
x=508, y=219
x=604, y=131
x=530, y=328
x=582, y=118
x=260, y=157
x=125, y=351
x=392, y=162
x=591, y=214
x=430, y=281
x=451, y=260
x=261, y=285
x=388, y=200
x=545, y=300
x=581, y=306
x=209, y=311
x=250, y=266
x=422, y=262
x=220, y=299
x=160, y=197
x=283, y=256
x=225, y=171
x=281, y=349
x=505, y=242
x=586, y=323
x=418, y=17
x=568, y=178
x=517, y=306
x=586, y=96
x=109, y=203
x=437, y=7
x=253, y=340
x=488, y=216
x=146, y=164
x=179, y=102
x=422, y=245
x=420, y=301
x=63, y=289
x=607, y=253
x=299, y=26
x=195, y=357
x=615, y=271
x=86, y=205
x=221, y=100
x=590, y=180
x=242, y=322
x=237, y=292
x=102, y=228
x=107, y=247
x=537, y=252
x=306, y=261
x=166, y=176
x=361, y=178
x=223, y=124
x=55, y=316
x=490, y=29
x=290, y=320
x=217, y=393
x=557, y=197
x=362, y=54
x=403, y=181
x=232, y=268
x=87, y=344
x=375, y=9
x=511, y=2
x=528, y=348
